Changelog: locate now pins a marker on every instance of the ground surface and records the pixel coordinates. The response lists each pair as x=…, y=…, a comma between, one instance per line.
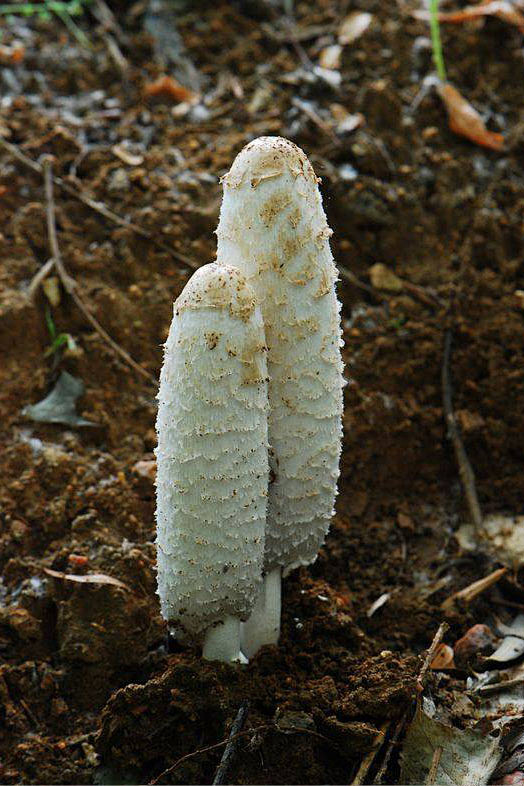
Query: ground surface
x=87, y=689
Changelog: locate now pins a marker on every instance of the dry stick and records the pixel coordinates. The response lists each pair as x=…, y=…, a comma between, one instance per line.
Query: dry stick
x=427, y=298
x=370, y=757
x=232, y=745
x=470, y=592
x=498, y=686
x=399, y=728
x=349, y=276
x=316, y=119
x=208, y=748
x=97, y=206
x=69, y=283
x=39, y=276
x=432, y=774
x=466, y=473
x=430, y=654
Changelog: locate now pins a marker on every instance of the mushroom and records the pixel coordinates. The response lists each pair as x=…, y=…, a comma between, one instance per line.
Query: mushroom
x=273, y=228
x=212, y=461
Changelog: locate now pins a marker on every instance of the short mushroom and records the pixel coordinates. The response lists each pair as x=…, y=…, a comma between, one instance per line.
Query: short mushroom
x=274, y=229
x=212, y=460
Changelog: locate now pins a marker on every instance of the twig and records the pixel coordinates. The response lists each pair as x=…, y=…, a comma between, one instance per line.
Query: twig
x=232, y=745
x=470, y=592
x=39, y=276
x=498, y=686
x=427, y=297
x=254, y=730
x=430, y=654
x=106, y=17
x=370, y=757
x=399, y=728
x=349, y=276
x=97, y=206
x=432, y=774
x=465, y=469
x=69, y=283
x=316, y=119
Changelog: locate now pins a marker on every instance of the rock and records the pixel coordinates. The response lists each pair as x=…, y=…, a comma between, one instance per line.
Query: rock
x=295, y=720
x=478, y=640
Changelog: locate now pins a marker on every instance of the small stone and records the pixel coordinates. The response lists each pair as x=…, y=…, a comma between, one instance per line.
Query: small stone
x=146, y=469
x=478, y=640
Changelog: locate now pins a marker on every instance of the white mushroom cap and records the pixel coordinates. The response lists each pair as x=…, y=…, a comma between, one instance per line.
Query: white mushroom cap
x=273, y=228
x=212, y=464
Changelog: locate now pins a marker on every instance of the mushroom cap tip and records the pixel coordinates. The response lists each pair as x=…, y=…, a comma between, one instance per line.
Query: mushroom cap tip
x=217, y=285
x=267, y=157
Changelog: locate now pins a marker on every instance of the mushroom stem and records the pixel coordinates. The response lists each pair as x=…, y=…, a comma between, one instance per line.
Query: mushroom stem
x=222, y=642
x=263, y=626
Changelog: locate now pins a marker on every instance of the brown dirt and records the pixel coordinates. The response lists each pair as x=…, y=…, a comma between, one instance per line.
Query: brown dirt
x=88, y=692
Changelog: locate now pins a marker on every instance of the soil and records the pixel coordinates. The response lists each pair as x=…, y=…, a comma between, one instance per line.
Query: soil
x=89, y=690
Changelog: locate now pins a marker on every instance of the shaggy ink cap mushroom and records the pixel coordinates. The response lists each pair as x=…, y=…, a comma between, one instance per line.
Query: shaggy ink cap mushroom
x=274, y=229
x=212, y=462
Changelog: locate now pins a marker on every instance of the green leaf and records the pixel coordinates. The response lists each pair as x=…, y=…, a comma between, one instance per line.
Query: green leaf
x=59, y=406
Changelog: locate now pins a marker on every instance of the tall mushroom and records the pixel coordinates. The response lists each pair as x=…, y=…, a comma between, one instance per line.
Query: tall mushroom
x=212, y=462
x=274, y=229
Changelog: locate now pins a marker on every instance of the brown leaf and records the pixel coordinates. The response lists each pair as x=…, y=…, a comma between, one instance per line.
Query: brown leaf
x=502, y=9
x=384, y=278
x=12, y=55
x=90, y=578
x=443, y=658
x=167, y=87
x=353, y=26
x=466, y=121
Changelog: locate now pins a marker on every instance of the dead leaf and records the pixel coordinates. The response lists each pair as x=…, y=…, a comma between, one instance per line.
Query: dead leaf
x=469, y=421
x=467, y=755
x=466, y=121
x=519, y=298
x=167, y=87
x=384, y=278
x=128, y=158
x=502, y=9
x=59, y=406
x=353, y=26
x=443, y=658
x=329, y=57
x=89, y=578
x=78, y=559
x=51, y=288
x=346, y=122
x=512, y=646
x=405, y=522
x=12, y=55
x=501, y=535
